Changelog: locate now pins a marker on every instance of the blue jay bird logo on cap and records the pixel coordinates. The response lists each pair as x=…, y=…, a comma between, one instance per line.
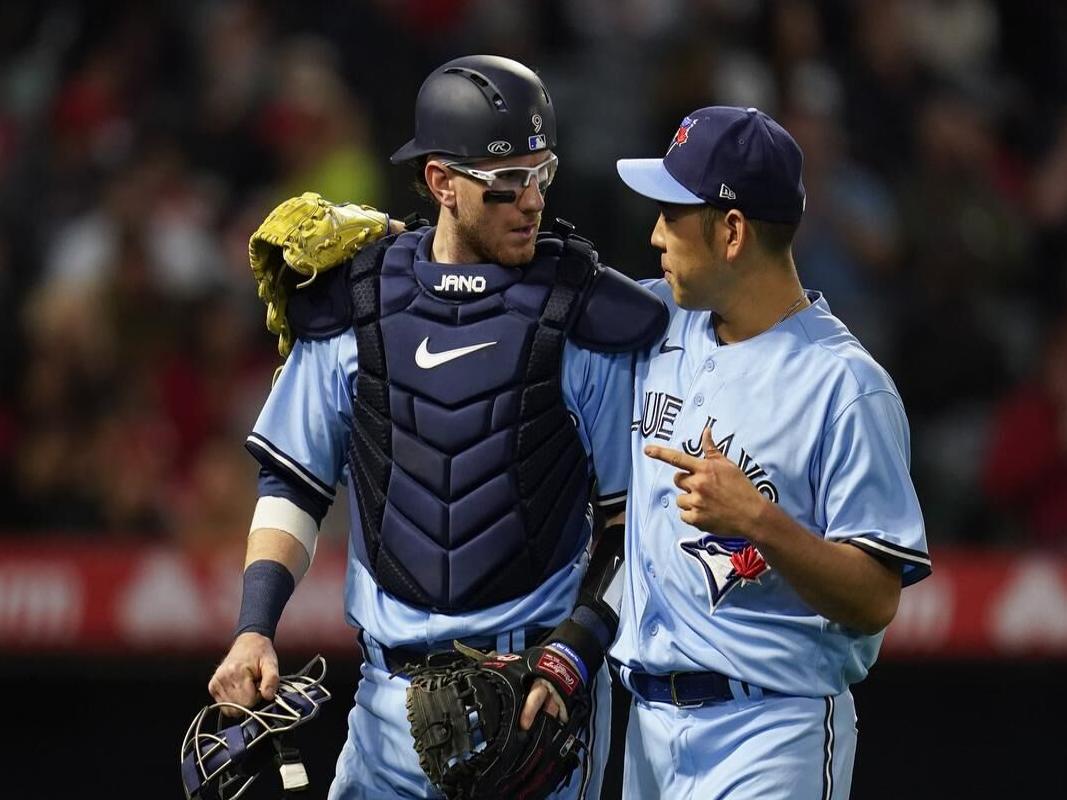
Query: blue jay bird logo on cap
x=681, y=136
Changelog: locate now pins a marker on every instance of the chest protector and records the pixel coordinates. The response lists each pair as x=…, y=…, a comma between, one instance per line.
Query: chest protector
x=471, y=483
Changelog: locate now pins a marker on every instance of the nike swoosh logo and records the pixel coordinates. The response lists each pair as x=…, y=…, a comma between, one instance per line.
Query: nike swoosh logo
x=427, y=360
x=665, y=348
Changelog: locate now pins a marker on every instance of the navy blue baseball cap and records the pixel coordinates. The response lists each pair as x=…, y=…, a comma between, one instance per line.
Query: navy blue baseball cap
x=726, y=157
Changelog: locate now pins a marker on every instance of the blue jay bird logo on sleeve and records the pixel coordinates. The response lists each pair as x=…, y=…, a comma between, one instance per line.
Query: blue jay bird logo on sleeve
x=727, y=561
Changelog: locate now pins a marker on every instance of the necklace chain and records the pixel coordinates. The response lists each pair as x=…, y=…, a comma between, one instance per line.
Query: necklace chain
x=792, y=309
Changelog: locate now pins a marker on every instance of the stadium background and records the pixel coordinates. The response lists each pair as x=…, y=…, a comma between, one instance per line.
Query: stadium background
x=140, y=144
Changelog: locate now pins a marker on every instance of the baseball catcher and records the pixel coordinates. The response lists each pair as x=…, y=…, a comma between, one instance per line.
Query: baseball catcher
x=471, y=383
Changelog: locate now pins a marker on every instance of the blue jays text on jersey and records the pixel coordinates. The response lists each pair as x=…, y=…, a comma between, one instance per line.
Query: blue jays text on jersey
x=659, y=411
x=818, y=427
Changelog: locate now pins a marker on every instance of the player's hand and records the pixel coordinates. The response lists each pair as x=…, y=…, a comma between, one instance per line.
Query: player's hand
x=542, y=693
x=716, y=495
x=248, y=674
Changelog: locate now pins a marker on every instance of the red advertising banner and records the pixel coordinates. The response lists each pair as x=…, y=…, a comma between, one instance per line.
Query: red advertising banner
x=1007, y=604
x=63, y=596
x=80, y=597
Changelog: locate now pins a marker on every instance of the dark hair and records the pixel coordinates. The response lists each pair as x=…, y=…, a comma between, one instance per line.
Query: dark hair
x=418, y=179
x=772, y=237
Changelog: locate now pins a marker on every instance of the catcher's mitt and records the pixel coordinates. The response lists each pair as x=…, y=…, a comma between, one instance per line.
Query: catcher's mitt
x=309, y=235
x=464, y=712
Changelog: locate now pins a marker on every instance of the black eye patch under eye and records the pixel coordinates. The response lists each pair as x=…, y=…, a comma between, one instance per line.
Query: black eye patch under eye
x=499, y=197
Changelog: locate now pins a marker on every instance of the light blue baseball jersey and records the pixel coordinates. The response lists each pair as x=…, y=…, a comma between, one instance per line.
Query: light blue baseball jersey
x=304, y=427
x=819, y=428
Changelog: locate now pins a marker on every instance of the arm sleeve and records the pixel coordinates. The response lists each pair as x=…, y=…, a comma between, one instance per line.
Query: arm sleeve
x=598, y=390
x=301, y=435
x=864, y=491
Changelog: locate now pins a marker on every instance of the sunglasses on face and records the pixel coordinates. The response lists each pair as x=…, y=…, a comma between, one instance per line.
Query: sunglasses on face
x=509, y=179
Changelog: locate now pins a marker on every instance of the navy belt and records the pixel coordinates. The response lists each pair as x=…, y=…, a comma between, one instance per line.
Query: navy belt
x=396, y=658
x=684, y=689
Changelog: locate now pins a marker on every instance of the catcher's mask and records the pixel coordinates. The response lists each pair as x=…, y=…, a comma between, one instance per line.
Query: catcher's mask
x=481, y=107
x=222, y=755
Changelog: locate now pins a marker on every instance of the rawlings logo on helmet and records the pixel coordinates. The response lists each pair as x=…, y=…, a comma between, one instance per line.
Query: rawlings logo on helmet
x=499, y=147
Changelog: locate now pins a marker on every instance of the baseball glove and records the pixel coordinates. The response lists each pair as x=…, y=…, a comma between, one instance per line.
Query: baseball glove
x=464, y=712
x=309, y=235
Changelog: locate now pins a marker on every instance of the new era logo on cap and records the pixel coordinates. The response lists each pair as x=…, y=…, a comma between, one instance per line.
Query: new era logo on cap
x=726, y=193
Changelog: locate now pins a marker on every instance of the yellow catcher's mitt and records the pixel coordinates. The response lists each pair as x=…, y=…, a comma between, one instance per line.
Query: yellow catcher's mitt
x=309, y=235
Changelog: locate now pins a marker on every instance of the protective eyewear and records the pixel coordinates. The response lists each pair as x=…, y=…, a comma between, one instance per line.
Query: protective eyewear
x=509, y=180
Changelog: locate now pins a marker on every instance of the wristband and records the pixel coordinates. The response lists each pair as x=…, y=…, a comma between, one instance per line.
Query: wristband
x=268, y=585
x=570, y=653
x=580, y=642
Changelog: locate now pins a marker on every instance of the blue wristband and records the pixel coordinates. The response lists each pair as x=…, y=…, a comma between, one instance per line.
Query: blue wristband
x=268, y=585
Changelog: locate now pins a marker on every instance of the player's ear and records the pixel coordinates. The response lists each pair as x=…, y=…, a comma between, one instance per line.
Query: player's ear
x=440, y=182
x=737, y=233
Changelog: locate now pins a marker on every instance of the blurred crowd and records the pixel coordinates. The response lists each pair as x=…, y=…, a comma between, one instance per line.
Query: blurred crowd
x=141, y=144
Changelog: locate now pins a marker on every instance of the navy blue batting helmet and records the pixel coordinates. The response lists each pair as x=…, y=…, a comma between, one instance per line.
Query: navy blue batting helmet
x=481, y=107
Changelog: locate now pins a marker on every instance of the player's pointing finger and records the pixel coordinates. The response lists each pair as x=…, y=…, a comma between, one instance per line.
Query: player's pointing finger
x=675, y=458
